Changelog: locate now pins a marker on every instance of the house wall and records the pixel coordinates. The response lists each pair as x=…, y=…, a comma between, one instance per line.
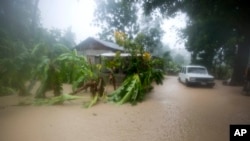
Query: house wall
x=91, y=54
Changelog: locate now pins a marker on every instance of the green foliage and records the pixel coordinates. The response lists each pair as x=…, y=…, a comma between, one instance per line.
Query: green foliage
x=157, y=76
x=179, y=59
x=6, y=91
x=130, y=91
x=15, y=67
x=113, y=15
x=62, y=66
x=150, y=35
x=115, y=62
x=212, y=25
x=172, y=67
x=140, y=70
x=134, y=88
x=56, y=100
x=222, y=72
x=74, y=69
x=48, y=70
x=92, y=102
x=23, y=45
x=122, y=16
x=17, y=17
x=68, y=38
x=29, y=53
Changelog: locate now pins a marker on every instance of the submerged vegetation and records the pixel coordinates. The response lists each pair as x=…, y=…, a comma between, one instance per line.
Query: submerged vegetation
x=55, y=100
x=140, y=72
x=48, y=57
x=55, y=64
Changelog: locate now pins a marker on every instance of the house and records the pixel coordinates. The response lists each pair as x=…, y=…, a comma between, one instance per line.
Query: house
x=92, y=48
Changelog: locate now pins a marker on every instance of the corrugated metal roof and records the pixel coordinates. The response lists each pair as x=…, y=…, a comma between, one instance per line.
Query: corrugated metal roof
x=104, y=43
x=109, y=44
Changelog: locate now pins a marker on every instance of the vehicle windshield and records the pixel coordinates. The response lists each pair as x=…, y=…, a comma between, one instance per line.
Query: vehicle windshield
x=196, y=70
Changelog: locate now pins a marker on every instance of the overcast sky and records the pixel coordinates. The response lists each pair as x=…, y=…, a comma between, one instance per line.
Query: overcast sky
x=78, y=14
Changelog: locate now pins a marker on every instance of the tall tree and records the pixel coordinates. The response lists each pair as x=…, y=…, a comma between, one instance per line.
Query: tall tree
x=217, y=24
x=16, y=38
x=150, y=34
x=17, y=17
x=68, y=38
x=125, y=16
x=116, y=15
x=34, y=17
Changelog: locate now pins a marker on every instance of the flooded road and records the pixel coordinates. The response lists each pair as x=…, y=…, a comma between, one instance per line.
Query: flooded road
x=172, y=112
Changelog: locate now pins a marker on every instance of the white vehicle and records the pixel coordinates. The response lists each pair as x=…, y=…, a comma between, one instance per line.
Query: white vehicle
x=193, y=74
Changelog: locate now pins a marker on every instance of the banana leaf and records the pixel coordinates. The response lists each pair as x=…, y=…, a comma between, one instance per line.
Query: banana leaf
x=92, y=102
x=56, y=100
x=128, y=92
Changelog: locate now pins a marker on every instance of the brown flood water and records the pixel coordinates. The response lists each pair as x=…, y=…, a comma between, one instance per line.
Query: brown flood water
x=172, y=112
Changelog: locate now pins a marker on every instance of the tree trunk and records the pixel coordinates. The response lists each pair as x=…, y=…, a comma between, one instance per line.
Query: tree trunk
x=112, y=80
x=100, y=86
x=91, y=84
x=241, y=61
x=242, y=55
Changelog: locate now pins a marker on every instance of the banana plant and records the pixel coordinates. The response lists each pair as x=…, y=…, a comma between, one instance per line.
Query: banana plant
x=61, y=66
x=96, y=84
x=140, y=75
x=75, y=69
x=129, y=91
x=134, y=88
x=48, y=71
x=112, y=65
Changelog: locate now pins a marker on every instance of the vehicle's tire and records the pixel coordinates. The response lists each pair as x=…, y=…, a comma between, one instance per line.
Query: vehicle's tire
x=179, y=79
x=187, y=83
x=211, y=86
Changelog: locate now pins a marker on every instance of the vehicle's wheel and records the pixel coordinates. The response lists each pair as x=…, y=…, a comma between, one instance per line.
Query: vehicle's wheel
x=187, y=83
x=211, y=85
x=179, y=79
